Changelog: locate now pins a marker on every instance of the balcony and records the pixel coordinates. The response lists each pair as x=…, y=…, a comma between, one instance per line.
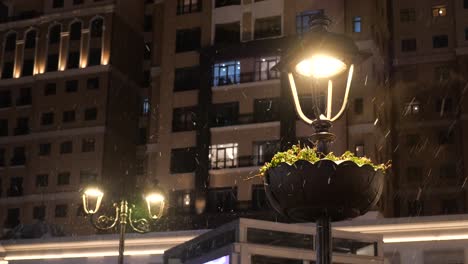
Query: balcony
x=241, y=162
x=18, y=161
x=24, y=100
x=245, y=77
x=22, y=16
x=221, y=3
x=15, y=191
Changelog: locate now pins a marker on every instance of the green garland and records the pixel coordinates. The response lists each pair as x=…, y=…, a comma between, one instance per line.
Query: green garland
x=310, y=154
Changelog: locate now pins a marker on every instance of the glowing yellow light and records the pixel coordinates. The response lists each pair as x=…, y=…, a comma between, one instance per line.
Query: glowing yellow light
x=155, y=198
x=320, y=66
x=93, y=192
x=155, y=203
x=95, y=196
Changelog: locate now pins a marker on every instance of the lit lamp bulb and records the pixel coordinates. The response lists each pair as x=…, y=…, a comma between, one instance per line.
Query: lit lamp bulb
x=155, y=203
x=92, y=198
x=320, y=66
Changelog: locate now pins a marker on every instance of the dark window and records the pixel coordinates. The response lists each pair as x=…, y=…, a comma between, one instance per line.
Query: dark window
x=61, y=210
x=94, y=57
x=73, y=61
x=303, y=20
x=50, y=89
x=187, y=78
x=188, y=39
x=226, y=114
x=87, y=177
x=465, y=4
x=78, y=2
x=16, y=187
x=75, y=31
x=359, y=150
x=415, y=208
x=268, y=27
x=22, y=126
x=90, y=114
x=446, y=137
x=280, y=239
x=183, y=160
x=407, y=15
x=146, y=79
x=47, y=118
x=71, y=86
x=97, y=28
x=45, y=149
x=221, y=3
x=39, y=212
x=148, y=23
x=2, y=157
x=259, y=199
x=25, y=97
x=52, y=62
x=444, y=106
x=147, y=51
x=30, y=41
x=466, y=33
x=68, y=116
x=42, y=180
x=408, y=45
x=450, y=206
x=414, y=174
x=182, y=201
x=10, y=44
x=12, y=219
x=448, y=171
x=142, y=135
x=5, y=98
x=19, y=156
x=188, y=6
x=54, y=34
x=227, y=33
x=92, y=83
x=266, y=110
x=358, y=106
x=440, y=41
x=28, y=67
x=66, y=147
x=63, y=178
x=264, y=151
x=88, y=145
x=222, y=200
x=357, y=24
x=7, y=71
x=57, y=3
x=184, y=119
x=3, y=127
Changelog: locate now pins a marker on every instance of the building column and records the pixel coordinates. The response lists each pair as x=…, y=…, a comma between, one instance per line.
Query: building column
x=63, y=50
x=19, y=54
x=84, y=48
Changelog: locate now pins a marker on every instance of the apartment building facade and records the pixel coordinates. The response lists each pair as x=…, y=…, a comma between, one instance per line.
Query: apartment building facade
x=430, y=41
x=69, y=106
x=218, y=111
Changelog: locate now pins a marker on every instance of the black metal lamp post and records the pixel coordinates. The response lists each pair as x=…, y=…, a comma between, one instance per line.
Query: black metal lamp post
x=324, y=191
x=92, y=198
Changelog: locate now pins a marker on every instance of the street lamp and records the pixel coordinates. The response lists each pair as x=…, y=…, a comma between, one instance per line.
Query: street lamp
x=323, y=191
x=92, y=198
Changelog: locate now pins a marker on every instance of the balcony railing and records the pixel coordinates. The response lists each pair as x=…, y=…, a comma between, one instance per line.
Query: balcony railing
x=23, y=16
x=245, y=77
x=21, y=131
x=18, y=161
x=242, y=162
x=24, y=100
x=221, y=3
x=15, y=191
x=246, y=119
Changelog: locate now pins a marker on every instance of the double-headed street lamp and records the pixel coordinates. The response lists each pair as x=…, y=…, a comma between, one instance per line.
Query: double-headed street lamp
x=326, y=190
x=92, y=199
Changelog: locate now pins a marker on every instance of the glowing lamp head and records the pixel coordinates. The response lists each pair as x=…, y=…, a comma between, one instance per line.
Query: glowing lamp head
x=320, y=66
x=155, y=201
x=92, y=198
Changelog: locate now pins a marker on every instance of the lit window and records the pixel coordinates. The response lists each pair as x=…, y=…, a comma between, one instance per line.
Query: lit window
x=263, y=68
x=145, y=106
x=357, y=24
x=223, y=156
x=303, y=19
x=412, y=108
x=439, y=11
x=226, y=73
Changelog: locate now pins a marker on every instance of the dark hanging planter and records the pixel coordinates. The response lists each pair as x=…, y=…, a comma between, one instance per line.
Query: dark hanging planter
x=305, y=191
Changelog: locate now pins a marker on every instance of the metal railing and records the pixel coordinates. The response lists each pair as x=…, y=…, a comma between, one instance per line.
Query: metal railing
x=245, y=77
x=242, y=162
x=245, y=119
